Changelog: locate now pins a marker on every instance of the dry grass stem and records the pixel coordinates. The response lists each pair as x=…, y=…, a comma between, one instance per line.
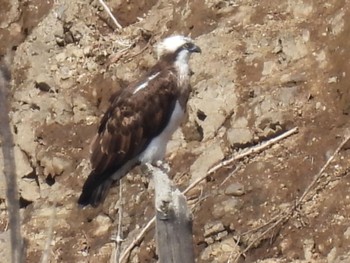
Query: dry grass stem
x=115, y=258
x=115, y=21
x=239, y=156
x=137, y=240
x=319, y=174
x=45, y=258
x=230, y=175
x=253, y=149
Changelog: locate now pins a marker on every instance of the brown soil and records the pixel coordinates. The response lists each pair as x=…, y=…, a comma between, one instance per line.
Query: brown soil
x=266, y=67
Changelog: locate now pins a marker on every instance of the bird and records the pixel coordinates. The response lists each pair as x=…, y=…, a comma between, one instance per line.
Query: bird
x=140, y=119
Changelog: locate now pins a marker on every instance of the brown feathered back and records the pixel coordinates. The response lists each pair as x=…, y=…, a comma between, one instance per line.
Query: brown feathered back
x=140, y=120
x=127, y=127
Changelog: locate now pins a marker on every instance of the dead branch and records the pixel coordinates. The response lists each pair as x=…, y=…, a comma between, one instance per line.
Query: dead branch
x=10, y=168
x=45, y=258
x=319, y=174
x=137, y=240
x=118, y=239
x=249, y=151
x=254, y=149
x=284, y=216
x=110, y=14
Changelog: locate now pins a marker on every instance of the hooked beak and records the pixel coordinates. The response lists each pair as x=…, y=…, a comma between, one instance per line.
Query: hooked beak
x=195, y=49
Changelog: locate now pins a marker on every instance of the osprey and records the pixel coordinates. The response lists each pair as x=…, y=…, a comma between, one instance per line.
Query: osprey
x=140, y=119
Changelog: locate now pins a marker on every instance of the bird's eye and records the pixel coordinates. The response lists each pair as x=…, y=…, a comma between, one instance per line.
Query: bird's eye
x=187, y=45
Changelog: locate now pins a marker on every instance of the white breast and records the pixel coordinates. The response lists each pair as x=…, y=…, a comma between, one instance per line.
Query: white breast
x=157, y=147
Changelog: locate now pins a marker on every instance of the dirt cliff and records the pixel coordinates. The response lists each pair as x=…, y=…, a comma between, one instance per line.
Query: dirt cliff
x=265, y=68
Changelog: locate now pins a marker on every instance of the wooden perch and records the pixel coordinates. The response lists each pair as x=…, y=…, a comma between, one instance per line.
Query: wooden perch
x=173, y=221
x=7, y=143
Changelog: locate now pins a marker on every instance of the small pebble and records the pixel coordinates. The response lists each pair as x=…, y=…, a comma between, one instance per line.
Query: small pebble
x=235, y=189
x=213, y=228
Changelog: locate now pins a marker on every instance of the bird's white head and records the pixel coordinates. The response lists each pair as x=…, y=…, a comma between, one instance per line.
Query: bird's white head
x=182, y=47
x=174, y=43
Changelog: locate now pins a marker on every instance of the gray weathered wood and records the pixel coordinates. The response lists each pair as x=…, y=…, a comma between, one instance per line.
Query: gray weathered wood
x=173, y=222
x=7, y=147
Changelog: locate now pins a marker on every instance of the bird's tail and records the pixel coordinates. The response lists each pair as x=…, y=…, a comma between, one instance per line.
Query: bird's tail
x=94, y=191
x=97, y=185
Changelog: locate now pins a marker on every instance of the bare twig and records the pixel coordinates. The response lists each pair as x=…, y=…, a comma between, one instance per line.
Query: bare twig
x=249, y=151
x=118, y=239
x=284, y=216
x=142, y=50
x=319, y=174
x=237, y=246
x=252, y=150
x=230, y=175
x=137, y=240
x=120, y=217
x=114, y=58
x=110, y=14
x=10, y=168
x=272, y=220
x=45, y=258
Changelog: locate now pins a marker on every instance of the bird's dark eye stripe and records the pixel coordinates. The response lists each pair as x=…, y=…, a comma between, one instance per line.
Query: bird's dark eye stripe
x=187, y=45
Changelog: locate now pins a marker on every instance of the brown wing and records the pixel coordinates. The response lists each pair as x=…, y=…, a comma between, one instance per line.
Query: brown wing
x=126, y=129
x=131, y=122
